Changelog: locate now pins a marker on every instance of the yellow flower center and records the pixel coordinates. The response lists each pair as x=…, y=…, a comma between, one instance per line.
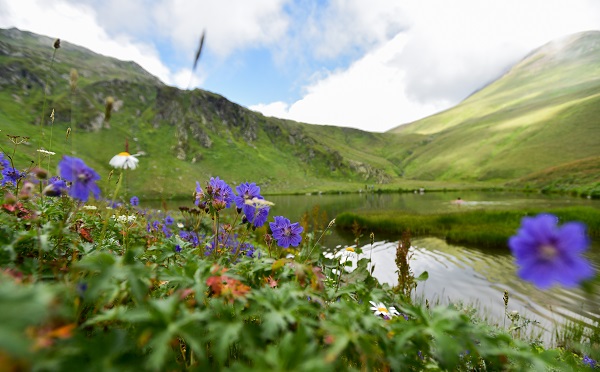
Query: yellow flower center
x=350, y=249
x=124, y=153
x=382, y=310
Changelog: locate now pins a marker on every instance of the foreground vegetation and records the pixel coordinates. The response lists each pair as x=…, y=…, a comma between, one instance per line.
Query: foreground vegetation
x=108, y=285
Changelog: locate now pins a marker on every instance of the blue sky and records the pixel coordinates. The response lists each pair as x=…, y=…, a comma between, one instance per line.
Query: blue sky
x=367, y=64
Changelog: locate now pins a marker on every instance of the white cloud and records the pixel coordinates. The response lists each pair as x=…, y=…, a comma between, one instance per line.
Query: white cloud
x=184, y=79
x=229, y=24
x=445, y=51
x=77, y=24
x=369, y=95
x=276, y=109
x=456, y=47
x=345, y=25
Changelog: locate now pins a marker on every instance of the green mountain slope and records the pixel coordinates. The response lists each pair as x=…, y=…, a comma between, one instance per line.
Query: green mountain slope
x=183, y=136
x=536, y=126
x=543, y=113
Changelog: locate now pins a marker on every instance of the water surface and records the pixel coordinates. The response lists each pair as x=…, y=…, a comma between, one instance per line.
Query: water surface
x=472, y=276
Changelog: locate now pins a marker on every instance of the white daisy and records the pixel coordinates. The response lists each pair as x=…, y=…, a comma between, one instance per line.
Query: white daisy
x=381, y=309
x=124, y=160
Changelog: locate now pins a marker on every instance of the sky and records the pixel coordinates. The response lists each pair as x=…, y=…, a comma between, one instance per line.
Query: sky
x=366, y=64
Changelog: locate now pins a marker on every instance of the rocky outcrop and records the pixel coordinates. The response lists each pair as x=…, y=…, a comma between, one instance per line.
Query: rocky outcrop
x=368, y=172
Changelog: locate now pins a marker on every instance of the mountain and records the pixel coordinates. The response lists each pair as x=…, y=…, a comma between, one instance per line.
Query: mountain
x=183, y=136
x=535, y=127
x=543, y=115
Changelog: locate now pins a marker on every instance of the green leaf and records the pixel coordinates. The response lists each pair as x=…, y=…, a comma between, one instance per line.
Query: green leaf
x=423, y=277
x=279, y=263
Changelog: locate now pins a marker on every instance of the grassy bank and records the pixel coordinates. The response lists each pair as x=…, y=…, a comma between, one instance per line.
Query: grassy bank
x=480, y=227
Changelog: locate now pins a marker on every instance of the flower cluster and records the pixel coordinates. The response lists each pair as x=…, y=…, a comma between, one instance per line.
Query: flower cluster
x=218, y=195
x=229, y=243
x=11, y=175
x=124, y=219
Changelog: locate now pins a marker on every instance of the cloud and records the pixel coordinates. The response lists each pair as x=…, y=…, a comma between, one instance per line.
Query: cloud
x=443, y=51
x=230, y=24
x=77, y=24
x=277, y=109
x=456, y=47
x=369, y=95
x=345, y=26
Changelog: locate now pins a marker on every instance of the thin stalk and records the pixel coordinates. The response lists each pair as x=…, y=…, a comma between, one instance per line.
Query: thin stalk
x=44, y=103
x=318, y=240
x=108, y=211
x=237, y=216
x=216, y=231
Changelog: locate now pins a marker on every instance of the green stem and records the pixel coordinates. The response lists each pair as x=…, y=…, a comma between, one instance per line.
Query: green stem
x=108, y=211
x=318, y=240
x=44, y=105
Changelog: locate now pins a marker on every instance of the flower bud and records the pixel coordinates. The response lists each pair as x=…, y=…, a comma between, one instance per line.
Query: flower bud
x=40, y=173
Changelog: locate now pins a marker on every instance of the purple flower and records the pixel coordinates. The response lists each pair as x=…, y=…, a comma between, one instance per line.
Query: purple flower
x=218, y=195
x=82, y=177
x=114, y=204
x=190, y=236
x=256, y=214
x=11, y=175
x=169, y=220
x=56, y=187
x=166, y=231
x=81, y=288
x=4, y=163
x=589, y=361
x=177, y=248
x=286, y=233
x=134, y=201
x=261, y=216
x=199, y=196
x=547, y=254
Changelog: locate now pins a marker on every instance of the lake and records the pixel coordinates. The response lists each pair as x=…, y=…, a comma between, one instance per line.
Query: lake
x=470, y=275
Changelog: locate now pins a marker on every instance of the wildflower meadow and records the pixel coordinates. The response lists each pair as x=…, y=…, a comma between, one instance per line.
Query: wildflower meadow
x=92, y=279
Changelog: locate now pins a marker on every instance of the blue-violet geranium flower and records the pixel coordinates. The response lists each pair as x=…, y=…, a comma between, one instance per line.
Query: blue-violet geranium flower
x=547, y=254
x=286, y=233
x=83, y=178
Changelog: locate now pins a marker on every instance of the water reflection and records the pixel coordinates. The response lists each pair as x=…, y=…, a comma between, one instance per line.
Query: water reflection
x=479, y=278
x=293, y=206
